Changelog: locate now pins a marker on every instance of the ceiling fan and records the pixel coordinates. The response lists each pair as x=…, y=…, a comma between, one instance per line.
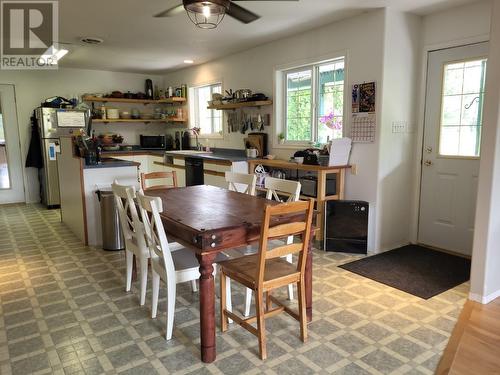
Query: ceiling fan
x=207, y=14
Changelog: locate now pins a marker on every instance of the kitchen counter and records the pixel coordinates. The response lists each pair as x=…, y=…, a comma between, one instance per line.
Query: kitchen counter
x=231, y=155
x=111, y=163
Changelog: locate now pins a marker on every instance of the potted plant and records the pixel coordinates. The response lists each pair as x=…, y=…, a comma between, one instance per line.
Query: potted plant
x=281, y=138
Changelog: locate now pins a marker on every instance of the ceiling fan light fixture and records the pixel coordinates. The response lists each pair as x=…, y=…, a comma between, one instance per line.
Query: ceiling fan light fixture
x=206, y=14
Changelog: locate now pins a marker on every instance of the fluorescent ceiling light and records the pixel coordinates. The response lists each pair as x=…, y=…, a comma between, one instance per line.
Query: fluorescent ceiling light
x=54, y=54
x=188, y=61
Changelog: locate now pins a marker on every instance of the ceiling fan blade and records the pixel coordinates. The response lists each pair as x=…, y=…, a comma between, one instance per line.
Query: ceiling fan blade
x=241, y=14
x=171, y=12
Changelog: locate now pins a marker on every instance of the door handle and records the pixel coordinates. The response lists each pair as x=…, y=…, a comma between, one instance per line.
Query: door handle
x=428, y=163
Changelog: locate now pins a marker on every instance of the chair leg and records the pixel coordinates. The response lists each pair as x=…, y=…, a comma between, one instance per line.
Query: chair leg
x=268, y=301
x=302, y=311
x=248, y=301
x=143, y=266
x=156, y=292
x=129, y=256
x=171, y=291
x=194, y=286
x=261, y=326
x=223, y=306
x=289, y=259
x=229, y=299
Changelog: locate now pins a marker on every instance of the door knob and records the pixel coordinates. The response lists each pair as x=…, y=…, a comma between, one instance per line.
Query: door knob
x=428, y=163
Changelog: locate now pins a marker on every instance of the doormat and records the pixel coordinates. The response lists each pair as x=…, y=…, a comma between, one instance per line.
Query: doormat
x=414, y=269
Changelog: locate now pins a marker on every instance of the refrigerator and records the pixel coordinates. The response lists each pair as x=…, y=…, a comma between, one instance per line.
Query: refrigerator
x=346, y=226
x=54, y=123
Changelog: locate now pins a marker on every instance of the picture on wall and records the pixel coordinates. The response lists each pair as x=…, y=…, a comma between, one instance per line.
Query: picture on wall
x=367, y=97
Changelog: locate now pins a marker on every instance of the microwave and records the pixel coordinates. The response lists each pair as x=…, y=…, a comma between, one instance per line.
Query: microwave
x=152, y=142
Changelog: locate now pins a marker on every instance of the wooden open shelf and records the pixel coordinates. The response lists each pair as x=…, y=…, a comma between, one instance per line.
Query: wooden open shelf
x=260, y=103
x=133, y=121
x=174, y=100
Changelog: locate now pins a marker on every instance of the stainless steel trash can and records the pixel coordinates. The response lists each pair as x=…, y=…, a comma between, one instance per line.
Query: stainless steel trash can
x=112, y=235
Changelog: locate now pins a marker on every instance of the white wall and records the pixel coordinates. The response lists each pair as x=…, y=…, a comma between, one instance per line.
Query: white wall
x=397, y=150
x=485, y=275
x=360, y=38
x=457, y=25
x=32, y=87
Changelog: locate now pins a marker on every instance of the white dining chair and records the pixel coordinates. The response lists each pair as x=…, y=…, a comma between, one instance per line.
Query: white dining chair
x=277, y=188
x=241, y=182
x=172, y=267
x=133, y=233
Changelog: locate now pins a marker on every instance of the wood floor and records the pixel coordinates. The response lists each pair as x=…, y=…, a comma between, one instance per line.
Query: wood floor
x=474, y=347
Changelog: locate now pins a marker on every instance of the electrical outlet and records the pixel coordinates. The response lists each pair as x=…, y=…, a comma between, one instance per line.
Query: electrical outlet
x=354, y=169
x=399, y=126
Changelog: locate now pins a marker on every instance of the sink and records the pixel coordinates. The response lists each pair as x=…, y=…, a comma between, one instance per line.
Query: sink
x=189, y=152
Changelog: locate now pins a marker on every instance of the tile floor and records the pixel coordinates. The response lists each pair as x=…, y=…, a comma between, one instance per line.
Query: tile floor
x=63, y=310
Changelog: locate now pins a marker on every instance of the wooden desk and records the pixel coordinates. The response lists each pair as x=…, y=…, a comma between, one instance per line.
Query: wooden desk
x=322, y=173
x=208, y=220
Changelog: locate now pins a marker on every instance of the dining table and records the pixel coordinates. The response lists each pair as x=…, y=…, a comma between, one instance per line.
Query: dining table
x=209, y=220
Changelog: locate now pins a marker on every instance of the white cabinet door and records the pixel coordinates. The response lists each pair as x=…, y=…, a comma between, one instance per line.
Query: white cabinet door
x=152, y=166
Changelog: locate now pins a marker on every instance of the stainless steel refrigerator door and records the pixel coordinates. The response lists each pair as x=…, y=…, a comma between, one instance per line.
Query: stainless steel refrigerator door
x=49, y=178
x=47, y=122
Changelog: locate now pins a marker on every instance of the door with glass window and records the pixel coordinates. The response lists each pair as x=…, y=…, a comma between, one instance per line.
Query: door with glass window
x=451, y=147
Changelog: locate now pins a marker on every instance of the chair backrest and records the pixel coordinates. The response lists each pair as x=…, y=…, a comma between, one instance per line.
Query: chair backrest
x=132, y=227
x=299, y=225
x=150, y=208
x=156, y=176
x=248, y=181
x=275, y=186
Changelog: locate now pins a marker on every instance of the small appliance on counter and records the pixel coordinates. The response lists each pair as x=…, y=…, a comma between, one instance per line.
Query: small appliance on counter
x=346, y=226
x=153, y=142
x=186, y=141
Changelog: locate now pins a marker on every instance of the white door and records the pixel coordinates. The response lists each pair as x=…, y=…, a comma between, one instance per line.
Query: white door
x=451, y=148
x=11, y=165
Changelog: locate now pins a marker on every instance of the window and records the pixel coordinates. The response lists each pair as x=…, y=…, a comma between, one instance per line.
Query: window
x=314, y=102
x=208, y=120
x=462, y=108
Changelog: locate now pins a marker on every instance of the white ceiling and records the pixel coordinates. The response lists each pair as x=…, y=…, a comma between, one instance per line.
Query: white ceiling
x=134, y=41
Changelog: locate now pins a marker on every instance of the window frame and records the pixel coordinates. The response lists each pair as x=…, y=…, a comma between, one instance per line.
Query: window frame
x=194, y=109
x=281, y=98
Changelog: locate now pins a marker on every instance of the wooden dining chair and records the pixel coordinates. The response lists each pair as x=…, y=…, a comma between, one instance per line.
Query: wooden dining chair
x=133, y=233
x=172, y=267
x=279, y=190
x=266, y=270
x=241, y=182
x=157, y=176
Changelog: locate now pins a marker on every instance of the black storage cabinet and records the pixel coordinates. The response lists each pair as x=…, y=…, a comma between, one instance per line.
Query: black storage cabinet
x=346, y=226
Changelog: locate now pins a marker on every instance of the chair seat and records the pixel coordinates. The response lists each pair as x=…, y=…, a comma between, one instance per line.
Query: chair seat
x=244, y=270
x=184, y=259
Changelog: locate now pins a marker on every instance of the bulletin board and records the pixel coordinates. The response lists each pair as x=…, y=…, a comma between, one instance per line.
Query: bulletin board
x=364, y=117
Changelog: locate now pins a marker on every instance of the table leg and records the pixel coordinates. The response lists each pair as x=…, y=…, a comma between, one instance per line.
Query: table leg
x=207, y=307
x=308, y=278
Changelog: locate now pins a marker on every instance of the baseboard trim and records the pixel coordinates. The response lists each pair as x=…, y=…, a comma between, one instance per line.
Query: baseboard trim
x=484, y=299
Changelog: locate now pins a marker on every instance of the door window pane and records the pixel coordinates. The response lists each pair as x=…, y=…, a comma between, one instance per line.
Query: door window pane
x=4, y=166
x=462, y=108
